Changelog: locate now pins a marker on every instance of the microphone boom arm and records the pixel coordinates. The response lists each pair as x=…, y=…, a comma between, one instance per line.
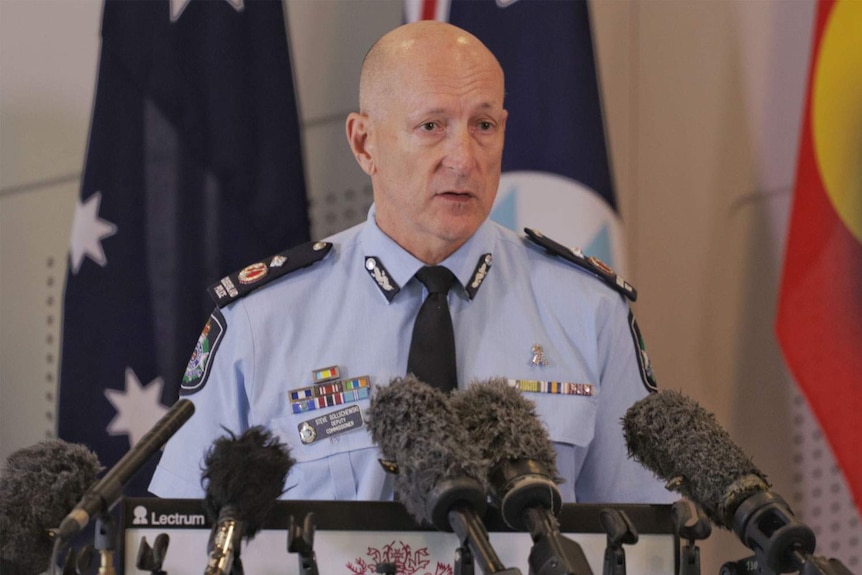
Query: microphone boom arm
x=473, y=536
x=455, y=504
x=552, y=553
x=529, y=500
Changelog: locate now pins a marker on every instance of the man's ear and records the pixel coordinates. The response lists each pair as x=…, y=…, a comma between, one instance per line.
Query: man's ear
x=357, y=128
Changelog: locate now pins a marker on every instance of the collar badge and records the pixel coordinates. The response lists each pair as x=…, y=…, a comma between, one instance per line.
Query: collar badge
x=387, y=286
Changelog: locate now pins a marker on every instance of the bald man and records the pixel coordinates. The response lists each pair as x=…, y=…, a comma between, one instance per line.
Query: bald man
x=430, y=134
x=297, y=341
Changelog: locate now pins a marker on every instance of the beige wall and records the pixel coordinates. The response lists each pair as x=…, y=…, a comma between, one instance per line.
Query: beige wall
x=48, y=57
x=703, y=102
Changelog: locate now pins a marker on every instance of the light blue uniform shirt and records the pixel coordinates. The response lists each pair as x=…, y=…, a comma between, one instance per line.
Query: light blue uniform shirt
x=335, y=313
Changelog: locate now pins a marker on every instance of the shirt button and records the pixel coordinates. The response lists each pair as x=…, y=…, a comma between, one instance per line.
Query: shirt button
x=333, y=439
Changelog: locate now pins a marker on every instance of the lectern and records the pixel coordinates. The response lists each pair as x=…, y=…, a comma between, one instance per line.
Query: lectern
x=351, y=538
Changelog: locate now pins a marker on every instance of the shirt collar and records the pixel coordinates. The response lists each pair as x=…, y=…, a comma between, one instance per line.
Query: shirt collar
x=401, y=265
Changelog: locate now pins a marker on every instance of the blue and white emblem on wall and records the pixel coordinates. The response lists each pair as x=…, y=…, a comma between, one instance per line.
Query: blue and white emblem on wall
x=564, y=210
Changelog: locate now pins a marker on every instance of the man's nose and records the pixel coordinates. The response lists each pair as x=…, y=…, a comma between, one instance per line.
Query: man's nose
x=460, y=151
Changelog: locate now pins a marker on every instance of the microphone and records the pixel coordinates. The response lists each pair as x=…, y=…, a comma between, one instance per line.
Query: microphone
x=38, y=487
x=103, y=495
x=516, y=444
x=523, y=470
x=439, y=472
x=244, y=476
x=683, y=444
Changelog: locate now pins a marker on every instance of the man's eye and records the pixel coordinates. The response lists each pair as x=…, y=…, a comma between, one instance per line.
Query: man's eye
x=429, y=126
x=485, y=126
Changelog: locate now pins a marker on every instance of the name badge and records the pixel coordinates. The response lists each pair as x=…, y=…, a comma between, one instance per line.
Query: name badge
x=331, y=424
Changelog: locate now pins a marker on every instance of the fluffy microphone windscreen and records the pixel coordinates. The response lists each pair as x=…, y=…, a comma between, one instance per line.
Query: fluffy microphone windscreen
x=683, y=444
x=38, y=487
x=416, y=428
x=247, y=473
x=504, y=424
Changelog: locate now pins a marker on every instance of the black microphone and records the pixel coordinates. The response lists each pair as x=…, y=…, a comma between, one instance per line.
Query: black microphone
x=38, y=487
x=683, y=444
x=244, y=476
x=439, y=472
x=104, y=494
x=523, y=470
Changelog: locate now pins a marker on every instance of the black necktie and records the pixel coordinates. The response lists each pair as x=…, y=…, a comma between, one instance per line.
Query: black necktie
x=432, y=349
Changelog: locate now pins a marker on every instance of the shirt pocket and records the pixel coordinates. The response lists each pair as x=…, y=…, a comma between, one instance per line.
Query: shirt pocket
x=287, y=429
x=570, y=419
x=571, y=423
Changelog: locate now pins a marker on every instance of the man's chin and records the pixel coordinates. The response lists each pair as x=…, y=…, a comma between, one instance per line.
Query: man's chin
x=459, y=229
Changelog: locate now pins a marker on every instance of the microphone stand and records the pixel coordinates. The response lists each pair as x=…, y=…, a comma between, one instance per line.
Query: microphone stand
x=106, y=542
x=386, y=568
x=300, y=539
x=152, y=558
x=620, y=529
x=528, y=499
x=552, y=553
x=464, y=561
x=453, y=504
x=690, y=524
x=813, y=565
x=78, y=563
x=473, y=540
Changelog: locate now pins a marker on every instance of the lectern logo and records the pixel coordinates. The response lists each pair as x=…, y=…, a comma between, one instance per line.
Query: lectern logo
x=406, y=560
x=177, y=519
x=140, y=513
x=143, y=516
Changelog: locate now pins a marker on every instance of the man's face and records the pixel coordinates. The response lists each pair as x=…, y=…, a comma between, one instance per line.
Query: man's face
x=436, y=143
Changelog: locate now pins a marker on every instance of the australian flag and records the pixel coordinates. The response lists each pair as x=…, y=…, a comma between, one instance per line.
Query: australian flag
x=556, y=172
x=193, y=170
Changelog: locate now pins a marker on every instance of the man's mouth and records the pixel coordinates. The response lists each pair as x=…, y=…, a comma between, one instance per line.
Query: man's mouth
x=456, y=195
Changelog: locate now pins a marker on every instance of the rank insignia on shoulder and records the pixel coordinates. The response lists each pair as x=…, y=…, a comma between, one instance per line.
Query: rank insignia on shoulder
x=234, y=286
x=591, y=264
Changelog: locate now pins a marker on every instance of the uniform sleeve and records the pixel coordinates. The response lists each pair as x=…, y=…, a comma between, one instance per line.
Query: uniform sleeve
x=608, y=475
x=215, y=379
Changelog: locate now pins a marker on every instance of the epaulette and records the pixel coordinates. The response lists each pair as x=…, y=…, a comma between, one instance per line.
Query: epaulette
x=589, y=263
x=249, y=278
